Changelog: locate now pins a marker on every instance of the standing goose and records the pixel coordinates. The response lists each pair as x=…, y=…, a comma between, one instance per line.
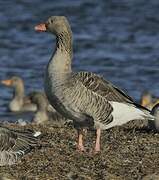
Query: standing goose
x=14, y=144
x=86, y=98
x=20, y=101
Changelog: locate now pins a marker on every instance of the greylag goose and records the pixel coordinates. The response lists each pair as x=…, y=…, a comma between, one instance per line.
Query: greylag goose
x=43, y=115
x=19, y=102
x=14, y=144
x=148, y=101
x=84, y=97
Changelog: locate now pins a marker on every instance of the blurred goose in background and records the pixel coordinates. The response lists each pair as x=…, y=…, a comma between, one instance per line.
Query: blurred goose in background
x=86, y=98
x=14, y=144
x=19, y=102
x=42, y=115
x=148, y=101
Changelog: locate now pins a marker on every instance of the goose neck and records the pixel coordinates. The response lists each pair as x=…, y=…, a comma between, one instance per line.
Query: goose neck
x=19, y=91
x=42, y=105
x=64, y=43
x=60, y=62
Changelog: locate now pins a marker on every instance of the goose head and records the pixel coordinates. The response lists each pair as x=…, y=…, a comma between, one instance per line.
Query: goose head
x=13, y=82
x=55, y=24
x=17, y=84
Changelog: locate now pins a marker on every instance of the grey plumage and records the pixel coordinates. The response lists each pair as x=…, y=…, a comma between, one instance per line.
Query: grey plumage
x=83, y=96
x=14, y=144
x=86, y=98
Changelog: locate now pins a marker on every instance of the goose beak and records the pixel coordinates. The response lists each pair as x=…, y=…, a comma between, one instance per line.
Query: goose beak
x=40, y=27
x=7, y=82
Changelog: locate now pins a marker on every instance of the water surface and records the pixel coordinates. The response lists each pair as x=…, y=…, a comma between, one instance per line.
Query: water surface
x=117, y=39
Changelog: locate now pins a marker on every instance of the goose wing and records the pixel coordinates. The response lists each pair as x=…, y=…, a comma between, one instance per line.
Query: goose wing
x=14, y=144
x=103, y=88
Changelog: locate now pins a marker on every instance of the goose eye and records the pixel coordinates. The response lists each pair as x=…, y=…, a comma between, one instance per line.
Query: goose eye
x=52, y=21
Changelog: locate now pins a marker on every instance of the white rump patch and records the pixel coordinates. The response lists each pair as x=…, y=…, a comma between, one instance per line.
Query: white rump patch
x=123, y=113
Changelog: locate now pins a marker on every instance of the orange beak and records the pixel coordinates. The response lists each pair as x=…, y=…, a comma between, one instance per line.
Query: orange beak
x=7, y=82
x=40, y=27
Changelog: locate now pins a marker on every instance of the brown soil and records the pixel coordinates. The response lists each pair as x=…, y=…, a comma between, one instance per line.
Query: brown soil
x=127, y=153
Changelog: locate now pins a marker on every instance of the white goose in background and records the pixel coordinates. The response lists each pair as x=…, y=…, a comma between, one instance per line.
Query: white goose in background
x=86, y=98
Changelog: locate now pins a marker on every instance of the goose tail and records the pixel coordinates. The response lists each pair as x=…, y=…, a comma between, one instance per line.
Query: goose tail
x=148, y=115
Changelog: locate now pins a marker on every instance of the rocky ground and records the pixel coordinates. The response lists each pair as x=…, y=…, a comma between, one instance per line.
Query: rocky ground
x=127, y=153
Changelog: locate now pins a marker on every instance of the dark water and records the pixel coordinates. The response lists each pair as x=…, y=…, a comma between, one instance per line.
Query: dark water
x=118, y=39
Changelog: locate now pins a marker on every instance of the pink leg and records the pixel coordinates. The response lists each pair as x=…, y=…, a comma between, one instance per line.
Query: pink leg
x=80, y=142
x=97, y=145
